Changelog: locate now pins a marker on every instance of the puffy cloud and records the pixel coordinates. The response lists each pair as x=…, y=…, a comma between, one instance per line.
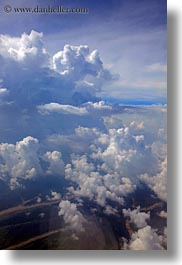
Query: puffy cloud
x=163, y=214
x=137, y=217
x=59, y=108
x=20, y=160
x=145, y=239
x=56, y=164
x=71, y=76
x=158, y=183
x=28, y=49
x=77, y=63
x=72, y=216
x=54, y=196
x=97, y=106
x=95, y=185
x=124, y=152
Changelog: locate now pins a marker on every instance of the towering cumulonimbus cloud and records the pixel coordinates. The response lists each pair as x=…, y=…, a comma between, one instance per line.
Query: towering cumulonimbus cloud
x=73, y=75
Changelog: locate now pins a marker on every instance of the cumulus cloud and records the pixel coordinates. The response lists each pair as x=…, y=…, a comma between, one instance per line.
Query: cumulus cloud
x=125, y=152
x=107, y=149
x=100, y=105
x=56, y=164
x=95, y=185
x=158, y=183
x=28, y=49
x=137, y=217
x=77, y=62
x=145, y=239
x=22, y=161
x=72, y=216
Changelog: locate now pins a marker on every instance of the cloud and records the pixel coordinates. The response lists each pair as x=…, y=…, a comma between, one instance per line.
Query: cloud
x=145, y=239
x=56, y=164
x=72, y=216
x=158, y=183
x=28, y=49
x=137, y=217
x=22, y=161
x=64, y=109
x=157, y=67
x=124, y=151
x=163, y=214
x=97, y=106
x=32, y=76
x=3, y=91
x=102, y=150
x=95, y=185
x=84, y=109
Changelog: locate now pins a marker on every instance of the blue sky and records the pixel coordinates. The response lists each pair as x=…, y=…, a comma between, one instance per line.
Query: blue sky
x=130, y=36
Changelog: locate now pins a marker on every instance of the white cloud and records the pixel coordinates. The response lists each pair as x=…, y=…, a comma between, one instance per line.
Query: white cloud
x=158, y=183
x=32, y=76
x=56, y=164
x=100, y=105
x=72, y=216
x=20, y=160
x=64, y=109
x=3, y=91
x=163, y=214
x=137, y=217
x=55, y=195
x=145, y=239
x=26, y=49
x=125, y=152
x=95, y=185
x=85, y=109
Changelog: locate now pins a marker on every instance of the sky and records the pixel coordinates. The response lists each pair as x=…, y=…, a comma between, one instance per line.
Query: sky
x=129, y=35
x=64, y=134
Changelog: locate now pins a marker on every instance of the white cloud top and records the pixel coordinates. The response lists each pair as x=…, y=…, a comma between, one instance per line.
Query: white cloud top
x=145, y=239
x=137, y=217
x=71, y=215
